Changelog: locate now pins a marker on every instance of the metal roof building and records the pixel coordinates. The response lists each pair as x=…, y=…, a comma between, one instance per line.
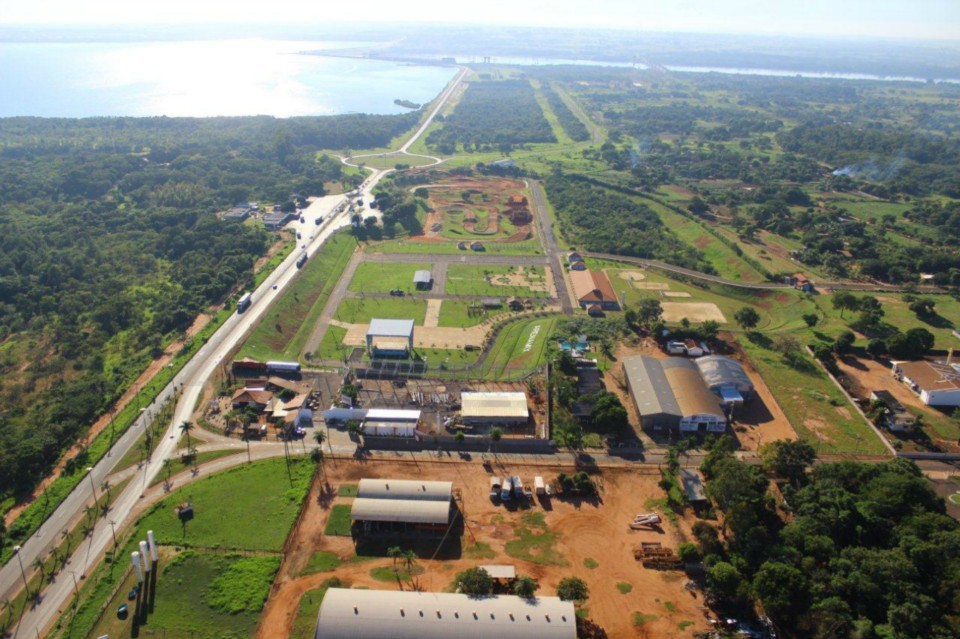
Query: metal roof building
x=670, y=393
x=390, y=336
x=724, y=374
x=423, y=279
x=388, y=614
x=494, y=408
x=401, y=505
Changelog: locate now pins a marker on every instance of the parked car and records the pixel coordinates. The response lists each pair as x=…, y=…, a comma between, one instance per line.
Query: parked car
x=495, y=488
x=506, y=492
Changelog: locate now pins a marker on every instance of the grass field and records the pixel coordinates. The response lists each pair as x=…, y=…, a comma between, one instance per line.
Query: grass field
x=354, y=310
x=495, y=281
x=321, y=561
x=815, y=407
x=457, y=313
x=198, y=594
x=305, y=623
x=441, y=357
x=377, y=277
x=897, y=313
x=250, y=507
x=339, y=522
x=285, y=327
x=519, y=347
x=332, y=345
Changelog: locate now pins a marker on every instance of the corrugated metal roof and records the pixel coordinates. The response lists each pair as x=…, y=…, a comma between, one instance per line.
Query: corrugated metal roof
x=423, y=277
x=390, y=327
x=405, y=489
x=500, y=571
x=720, y=371
x=392, y=414
x=493, y=404
x=404, y=510
x=383, y=614
x=649, y=386
x=692, y=395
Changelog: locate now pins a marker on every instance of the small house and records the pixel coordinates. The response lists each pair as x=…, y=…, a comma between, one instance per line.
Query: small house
x=492, y=302
x=676, y=348
x=692, y=348
x=250, y=398
x=477, y=246
x=802, y=283
x=595, y=310
x=578, y=266
x=896, y=417
x=515, y=304
x=462, y=246
x=573, y=256
x=423, y=280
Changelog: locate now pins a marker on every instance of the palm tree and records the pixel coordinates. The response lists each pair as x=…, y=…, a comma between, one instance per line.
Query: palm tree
x=496, y=434
x=319, y=436
x=185, y=428
x=38, y=564
x=167, y=465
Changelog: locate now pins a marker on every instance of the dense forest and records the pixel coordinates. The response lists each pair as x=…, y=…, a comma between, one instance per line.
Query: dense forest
x=866, y=549
x=600, y=219
x=493, y=115
x=110, y=248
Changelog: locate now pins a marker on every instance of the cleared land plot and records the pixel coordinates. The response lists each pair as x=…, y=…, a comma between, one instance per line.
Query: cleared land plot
x=693, y=311
x=284, y=329
x=498, y=281
x=383, y=277
x=354, y=310
x=676, y=294
x=466, y=208
x=548, y=544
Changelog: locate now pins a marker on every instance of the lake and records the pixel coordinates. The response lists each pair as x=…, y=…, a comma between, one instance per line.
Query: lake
x=205, y=78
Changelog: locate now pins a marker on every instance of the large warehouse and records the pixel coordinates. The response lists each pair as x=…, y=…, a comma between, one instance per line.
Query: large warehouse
x=936, y=383
x=509, y=409
x=670, y=394
x=726, y=378
x=390, y=337
x=402, y=506
x=390, y=614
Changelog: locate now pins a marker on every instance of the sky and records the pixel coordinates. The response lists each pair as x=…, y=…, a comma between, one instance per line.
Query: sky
x=923, y=19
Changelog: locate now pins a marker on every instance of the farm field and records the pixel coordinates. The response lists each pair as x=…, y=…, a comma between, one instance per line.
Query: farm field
x=519, y=281
x=383, y=277
x=284, y=329
x=548, y=541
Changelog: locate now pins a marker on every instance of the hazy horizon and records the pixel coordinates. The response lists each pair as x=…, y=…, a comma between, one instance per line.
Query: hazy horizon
x=929, y=20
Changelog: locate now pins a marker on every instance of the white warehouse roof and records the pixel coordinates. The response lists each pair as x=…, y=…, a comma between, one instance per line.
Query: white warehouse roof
x=405, y=510
x=390, y=328
x=388, y=614
x=491, y=404
x=392, y=415
x=405, y=489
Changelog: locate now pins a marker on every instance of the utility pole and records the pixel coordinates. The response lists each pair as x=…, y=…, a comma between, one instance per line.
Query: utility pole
x=93, y=486
x=23, y=573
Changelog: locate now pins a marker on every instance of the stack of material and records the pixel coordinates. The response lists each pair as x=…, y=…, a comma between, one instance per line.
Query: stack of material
x=653, y=555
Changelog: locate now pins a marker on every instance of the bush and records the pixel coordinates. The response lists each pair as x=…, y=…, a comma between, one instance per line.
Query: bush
x=688, y=553
x=573, y=589
x=474, y=581
x=244, y=585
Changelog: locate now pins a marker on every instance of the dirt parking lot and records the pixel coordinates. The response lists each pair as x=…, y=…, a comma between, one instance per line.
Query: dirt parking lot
x=585, y=538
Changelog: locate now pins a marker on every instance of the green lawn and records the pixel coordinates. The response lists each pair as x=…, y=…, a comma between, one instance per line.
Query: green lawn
x=339, y=522
x=305, y=623
x=250, y=507
x=285, y=328
x=458, y=313
x=438, y=358
x=321, y=561
x=189, y=598
x=377, y=277
x=354, y=310
x=469, y=279
x=534, y=542
x=332, y=345
x=181, y=464
x=519, y=348
x=815, y=407
x=897, y=313
x=348, y=490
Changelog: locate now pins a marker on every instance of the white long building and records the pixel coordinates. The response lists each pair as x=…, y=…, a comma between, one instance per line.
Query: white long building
x=508, y=408
x=388, y=614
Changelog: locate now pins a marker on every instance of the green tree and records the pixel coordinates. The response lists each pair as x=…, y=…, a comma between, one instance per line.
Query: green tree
x=844, y=342
x=649, y=312
x=724, y=581
x=474, y=581
x=185, y=428
x=788, y=459
x=608, y=414
x=747, y=317
x=782, y=588
x=573, y=589
x=525, y=586
x=709, y=330
x=811, y=319
x=845, y=301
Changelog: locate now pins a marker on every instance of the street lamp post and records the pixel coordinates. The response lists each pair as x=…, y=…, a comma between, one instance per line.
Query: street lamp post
x=23, y=573
x=76, y=589
x=114, y=531
x=93, y=486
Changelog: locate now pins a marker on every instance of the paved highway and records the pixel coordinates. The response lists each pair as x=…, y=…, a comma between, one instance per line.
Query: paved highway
x=186, y=389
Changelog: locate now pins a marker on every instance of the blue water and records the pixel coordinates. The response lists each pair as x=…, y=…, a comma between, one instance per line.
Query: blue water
x=209, y=78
